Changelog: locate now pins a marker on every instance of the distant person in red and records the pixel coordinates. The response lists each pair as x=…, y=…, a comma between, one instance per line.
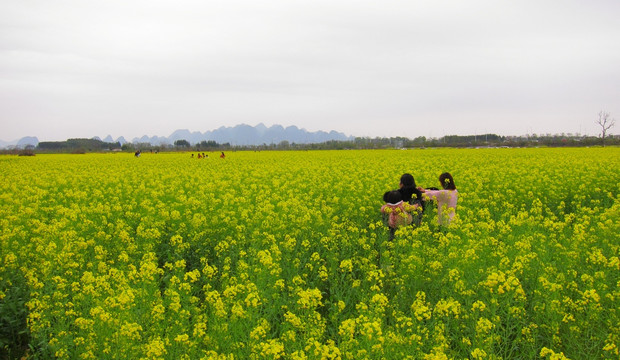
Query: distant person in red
x=222, y=156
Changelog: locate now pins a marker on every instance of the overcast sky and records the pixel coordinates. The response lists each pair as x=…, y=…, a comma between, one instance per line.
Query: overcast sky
x=81, y=68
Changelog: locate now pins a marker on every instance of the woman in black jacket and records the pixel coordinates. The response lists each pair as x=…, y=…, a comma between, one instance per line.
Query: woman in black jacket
x=408, y=190
x=410, y=194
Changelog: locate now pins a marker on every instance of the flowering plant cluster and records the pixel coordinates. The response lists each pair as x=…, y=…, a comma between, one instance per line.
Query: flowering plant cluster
x=284, y=255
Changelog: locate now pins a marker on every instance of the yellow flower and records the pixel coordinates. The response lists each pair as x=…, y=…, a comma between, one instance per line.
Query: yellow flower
x=272, y=349
x=155, y=348
x=478, y=354
x=341, y=305
x=346, y=265
x=309, y=298
x=484, y=325
x=183, y=338
x=293, y=319
x=253, y=299
x=193, y=276
x=323, y=273
x=157, y=311
x=420, y=308
x=546, y=352
x=478, y=305
x=131, y=331
x=260, y=331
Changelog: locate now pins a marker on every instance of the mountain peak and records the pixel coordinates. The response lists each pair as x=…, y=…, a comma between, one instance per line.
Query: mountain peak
x=242, y=135
x=260, y=134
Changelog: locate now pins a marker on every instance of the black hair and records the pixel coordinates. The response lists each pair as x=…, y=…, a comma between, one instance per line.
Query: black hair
x=409, y=190
x=392, y=197
x=407, y=180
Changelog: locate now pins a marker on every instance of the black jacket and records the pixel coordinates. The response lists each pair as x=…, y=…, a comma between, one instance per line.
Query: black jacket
x=408, y=195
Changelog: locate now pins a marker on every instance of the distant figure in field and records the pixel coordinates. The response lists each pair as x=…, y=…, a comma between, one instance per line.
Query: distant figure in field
x=193, y=155
x=222, y=156
x=446, y=199
x=137, y=153
x=204, y=156
x=398, y=212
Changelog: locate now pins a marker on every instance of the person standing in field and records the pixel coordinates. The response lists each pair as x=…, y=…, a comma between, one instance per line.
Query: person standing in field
x=446, y=199
x=398, y=212
x=222, y=156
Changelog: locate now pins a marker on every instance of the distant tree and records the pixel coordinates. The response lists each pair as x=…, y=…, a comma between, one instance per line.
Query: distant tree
x=420, y=140
x=182, y=143
x=209, y=144
x=605, y=123
x=80, y=145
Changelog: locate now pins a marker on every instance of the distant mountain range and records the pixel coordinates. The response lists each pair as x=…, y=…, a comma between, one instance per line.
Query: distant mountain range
x=237, y=135
x=21, y=143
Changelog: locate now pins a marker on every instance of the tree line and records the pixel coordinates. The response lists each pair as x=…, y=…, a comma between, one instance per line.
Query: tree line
x=80, y=146
x=460, y=141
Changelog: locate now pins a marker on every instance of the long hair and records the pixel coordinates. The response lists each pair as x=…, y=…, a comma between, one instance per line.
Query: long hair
x=447, y=182
x=407, y=180
x=409, y=188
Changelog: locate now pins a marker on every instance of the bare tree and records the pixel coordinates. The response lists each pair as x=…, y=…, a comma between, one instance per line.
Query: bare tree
x=605, y=123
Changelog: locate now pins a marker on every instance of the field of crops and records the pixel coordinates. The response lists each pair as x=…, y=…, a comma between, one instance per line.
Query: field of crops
x=268, y=255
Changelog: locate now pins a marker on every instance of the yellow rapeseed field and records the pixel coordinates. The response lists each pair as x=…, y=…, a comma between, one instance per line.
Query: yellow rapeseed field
x=284, y=255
